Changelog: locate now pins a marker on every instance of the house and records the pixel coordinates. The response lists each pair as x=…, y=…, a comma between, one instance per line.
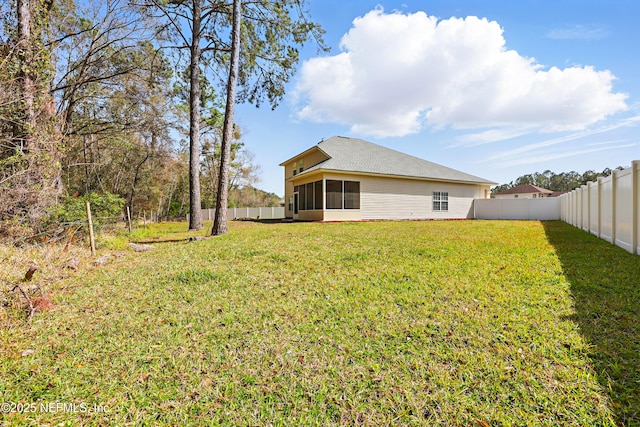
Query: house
x=348, y=179
x=526, y=191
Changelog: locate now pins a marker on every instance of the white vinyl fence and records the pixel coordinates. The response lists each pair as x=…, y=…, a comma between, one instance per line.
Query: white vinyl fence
x=607, y=208
x=528, y=209
x=243, y=213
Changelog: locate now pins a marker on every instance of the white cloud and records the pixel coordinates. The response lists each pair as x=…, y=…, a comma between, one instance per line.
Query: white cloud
x=489, y=136
x=545, y=157
x=579, y=32
x=398, y=73
x=519, y=152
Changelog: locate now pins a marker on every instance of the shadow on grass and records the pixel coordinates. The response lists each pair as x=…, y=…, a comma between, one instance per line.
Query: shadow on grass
x=605, y=283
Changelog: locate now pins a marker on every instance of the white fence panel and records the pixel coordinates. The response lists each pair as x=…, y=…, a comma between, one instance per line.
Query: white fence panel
x=207, y=214
x=636, y=206
x=623, y=197
x=256, y=213
x=608, y=208
x=594, y=219
x=523, y=209
x=242, y=213
x=584, y=207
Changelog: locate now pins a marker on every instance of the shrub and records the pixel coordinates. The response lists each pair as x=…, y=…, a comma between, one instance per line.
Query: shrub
x=105, y=208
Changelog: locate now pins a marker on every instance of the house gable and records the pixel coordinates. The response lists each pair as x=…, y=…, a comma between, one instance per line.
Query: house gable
x=303, y=161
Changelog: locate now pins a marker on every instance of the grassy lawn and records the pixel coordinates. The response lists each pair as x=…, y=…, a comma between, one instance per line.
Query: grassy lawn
x=470, y=323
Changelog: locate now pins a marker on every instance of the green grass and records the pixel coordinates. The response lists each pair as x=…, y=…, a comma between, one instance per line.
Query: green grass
x=387, y=323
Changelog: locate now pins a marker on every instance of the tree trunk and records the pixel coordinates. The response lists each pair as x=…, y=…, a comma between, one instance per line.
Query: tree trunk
x=27, y=84
x=136, y=177
x=195, y=209
x=220, y=225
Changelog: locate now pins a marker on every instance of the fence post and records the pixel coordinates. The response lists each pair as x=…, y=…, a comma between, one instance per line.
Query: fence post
x=614, y=196
x=129, y=218
x=634, y=206
x=588, y=204
x=600, y=207
x=92, y=241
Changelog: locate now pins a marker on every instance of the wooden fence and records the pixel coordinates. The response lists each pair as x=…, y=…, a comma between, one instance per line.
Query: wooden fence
x=607, y=208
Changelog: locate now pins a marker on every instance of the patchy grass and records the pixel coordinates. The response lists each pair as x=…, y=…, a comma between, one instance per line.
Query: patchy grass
x=389, y=323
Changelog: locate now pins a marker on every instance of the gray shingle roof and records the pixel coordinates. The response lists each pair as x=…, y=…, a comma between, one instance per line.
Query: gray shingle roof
x=357, y=155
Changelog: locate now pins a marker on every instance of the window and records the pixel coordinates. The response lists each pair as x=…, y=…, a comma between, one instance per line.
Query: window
x=351, y=195
x=535, y=195
x=303, y=198
x=318, y=194
x=343, y=194
x=440, y=201
x=295, y=168
x=310, y=196
x=301, y=165
x=334, y=194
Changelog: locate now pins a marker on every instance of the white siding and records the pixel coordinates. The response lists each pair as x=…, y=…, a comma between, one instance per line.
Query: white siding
x=391, y=198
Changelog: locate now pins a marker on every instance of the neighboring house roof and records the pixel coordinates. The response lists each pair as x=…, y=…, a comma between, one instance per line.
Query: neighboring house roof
x=527, y=188
x=557, y=193
x=356, y=155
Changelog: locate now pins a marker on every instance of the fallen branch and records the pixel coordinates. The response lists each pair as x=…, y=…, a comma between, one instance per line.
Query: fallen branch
x=32, y=309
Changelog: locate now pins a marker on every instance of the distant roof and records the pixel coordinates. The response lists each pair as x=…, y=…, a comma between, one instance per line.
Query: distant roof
x=357, y=155
x=526, y=188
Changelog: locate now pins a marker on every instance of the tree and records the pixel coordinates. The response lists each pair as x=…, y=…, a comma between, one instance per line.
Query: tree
x=121, y=140
x=202, y=27
x=564, y=181
x=220, y=221
x=195, y=213
x=26, y=73
x=242, y=171
x=187, y=22
x=262, y=45
x=29, y=141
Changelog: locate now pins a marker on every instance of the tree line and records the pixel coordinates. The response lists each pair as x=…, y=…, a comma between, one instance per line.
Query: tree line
x=135, y=98
x=564, y=181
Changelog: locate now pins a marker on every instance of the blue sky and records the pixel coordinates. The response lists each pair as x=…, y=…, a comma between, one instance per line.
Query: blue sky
x=497, y=88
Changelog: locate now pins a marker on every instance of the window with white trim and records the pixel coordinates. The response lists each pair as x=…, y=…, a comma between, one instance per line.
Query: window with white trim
x=440, y=200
